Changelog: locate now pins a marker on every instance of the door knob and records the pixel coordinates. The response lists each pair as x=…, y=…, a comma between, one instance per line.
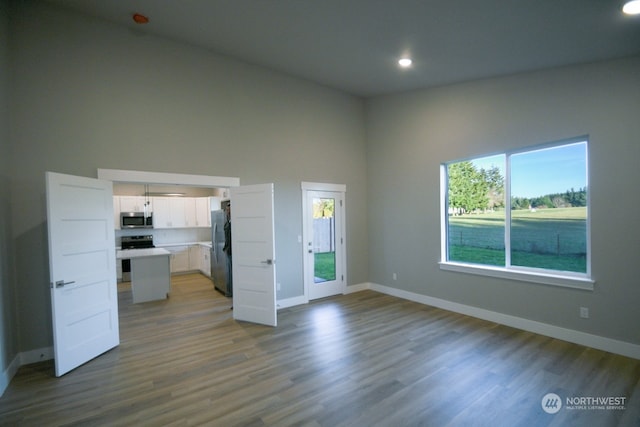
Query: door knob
x=62, y=283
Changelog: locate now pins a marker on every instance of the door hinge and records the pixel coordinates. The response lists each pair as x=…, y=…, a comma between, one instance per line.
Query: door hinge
x=340, y=202
x=342, y=277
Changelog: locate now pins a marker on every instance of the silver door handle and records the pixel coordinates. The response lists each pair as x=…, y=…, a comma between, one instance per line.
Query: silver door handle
x=268, y=262
x=62, y=283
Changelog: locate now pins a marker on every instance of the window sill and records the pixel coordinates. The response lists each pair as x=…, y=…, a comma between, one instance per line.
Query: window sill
x=568, y=281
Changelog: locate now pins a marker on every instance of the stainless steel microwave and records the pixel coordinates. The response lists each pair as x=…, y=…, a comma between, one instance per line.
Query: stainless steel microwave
x=135, y=220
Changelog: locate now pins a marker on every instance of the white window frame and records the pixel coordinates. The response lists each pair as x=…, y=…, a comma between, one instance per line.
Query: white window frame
x=527, y=274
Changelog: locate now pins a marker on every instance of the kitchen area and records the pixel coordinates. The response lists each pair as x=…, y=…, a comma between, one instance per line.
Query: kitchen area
x=162, y=231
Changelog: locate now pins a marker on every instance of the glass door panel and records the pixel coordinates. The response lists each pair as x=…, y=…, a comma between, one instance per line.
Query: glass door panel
x=324, y=240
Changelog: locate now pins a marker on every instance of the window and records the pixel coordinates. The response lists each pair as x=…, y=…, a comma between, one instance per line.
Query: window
x=520, y=214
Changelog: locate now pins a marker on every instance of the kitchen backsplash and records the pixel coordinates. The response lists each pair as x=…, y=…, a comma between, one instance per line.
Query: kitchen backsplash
x=167, y=236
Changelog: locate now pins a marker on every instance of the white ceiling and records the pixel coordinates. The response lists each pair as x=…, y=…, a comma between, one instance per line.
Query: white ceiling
x=354, y=45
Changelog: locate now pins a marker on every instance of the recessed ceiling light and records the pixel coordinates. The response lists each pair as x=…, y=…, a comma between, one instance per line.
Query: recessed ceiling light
x=405, y=62
x=631, y=7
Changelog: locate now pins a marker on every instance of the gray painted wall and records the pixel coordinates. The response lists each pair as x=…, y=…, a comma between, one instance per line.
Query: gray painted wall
x=410, y=135
x=8, y=326
x=86, y=94
x=89, y=94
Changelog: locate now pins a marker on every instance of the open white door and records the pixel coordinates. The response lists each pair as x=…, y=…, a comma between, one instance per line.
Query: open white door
x=82, y=265
x=253, y=254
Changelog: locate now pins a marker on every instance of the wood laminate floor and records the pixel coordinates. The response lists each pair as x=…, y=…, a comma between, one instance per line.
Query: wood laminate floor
x=364, y=359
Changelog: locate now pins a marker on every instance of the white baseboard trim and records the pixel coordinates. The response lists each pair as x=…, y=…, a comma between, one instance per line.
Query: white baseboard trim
x=7, y=374
x=24, y=358
x=290, y=302
x=37, y=355
x=300, y=300
x=357, y=288
x=595, y=341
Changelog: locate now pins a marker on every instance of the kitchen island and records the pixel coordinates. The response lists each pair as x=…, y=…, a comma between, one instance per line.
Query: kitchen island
x=150, y=273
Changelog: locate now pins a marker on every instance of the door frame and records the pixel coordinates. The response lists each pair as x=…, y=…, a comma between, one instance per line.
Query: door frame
x=334, y=188
x=163, y=178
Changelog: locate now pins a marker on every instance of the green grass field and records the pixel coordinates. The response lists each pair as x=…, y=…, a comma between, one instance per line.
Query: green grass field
x=325, y=266
x=546, y=238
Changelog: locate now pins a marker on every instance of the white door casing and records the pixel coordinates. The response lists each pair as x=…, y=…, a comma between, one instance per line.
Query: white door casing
x=316, y=286
x=82, y=266
x=253, y=254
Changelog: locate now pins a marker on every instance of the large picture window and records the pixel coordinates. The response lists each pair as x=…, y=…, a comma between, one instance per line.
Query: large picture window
x=524, y=211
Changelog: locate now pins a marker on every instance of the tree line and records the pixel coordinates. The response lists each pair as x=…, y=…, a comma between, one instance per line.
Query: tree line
x=471, y=190
x=570, y=198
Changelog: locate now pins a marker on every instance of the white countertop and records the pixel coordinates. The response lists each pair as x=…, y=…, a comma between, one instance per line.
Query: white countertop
x=139, y=253
x=167, y=245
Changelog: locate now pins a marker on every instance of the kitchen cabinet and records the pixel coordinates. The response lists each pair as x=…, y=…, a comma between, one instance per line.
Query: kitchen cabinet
x=150, y=273
x=195, y=257
x=169, y=212
x=135, y=204
x=189, y=258
x=198, y=211
x=190, y=217
x=203, y=211
x=205, y=264
x=162, y=212
x=177, y=207
x=215, y=204
x=181, y=212
x=179, y=259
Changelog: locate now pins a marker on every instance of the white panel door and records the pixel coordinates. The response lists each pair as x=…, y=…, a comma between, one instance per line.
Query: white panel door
x=82, y=266
x=253, y=254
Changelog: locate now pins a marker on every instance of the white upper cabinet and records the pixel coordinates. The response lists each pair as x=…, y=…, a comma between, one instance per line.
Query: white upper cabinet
x=181, y=212
x=190, y=212
x=203, y=211
x=178, y=212
x=168, y=212
x=135, y=204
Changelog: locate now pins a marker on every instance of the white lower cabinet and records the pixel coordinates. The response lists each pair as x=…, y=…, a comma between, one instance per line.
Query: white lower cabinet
x=179, y=259
x=194, y=257
x=205, y=266
x=190, y=258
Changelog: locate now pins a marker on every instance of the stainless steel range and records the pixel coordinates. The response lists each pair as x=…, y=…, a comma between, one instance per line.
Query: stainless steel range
x=137, y=242
x=133, y=242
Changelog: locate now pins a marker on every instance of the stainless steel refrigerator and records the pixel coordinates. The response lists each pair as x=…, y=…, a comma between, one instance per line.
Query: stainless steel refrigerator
x=219, y=263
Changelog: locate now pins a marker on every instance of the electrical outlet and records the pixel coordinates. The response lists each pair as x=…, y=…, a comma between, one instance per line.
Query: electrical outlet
x=278, y=286
x=584, y=312
x=395, y=276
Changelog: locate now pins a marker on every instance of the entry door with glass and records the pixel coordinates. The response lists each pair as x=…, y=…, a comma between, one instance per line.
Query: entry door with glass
x=324, y=243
